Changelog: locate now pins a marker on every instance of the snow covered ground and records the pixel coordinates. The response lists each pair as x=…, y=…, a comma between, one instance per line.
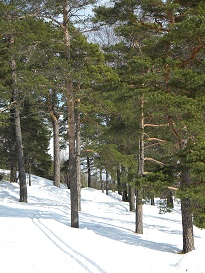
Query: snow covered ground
x=37, y=237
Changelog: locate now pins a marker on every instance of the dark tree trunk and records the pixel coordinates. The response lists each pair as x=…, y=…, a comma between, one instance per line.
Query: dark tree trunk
x=78, y=142
x=71, y=125
x=152, y=201
x=19, y=145
x=106, y=183
x=29, y=177
x=131, y=198
x=101, y=181
x=21, y=168
x=56, y=151
x=139, y=213
x=118, y=182
x=89, y=172
x=13, y=159
x=72, y=159
x=124, y=193
x=28, y=162
x=139, y=191
x=170, y=200
x=187, y=215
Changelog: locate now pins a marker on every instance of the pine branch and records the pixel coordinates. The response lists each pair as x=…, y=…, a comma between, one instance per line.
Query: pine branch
x=149, y=26
x=171, y=124
x=194, y=53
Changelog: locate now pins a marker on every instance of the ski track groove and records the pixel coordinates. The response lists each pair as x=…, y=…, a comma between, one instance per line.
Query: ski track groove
x=75, y=255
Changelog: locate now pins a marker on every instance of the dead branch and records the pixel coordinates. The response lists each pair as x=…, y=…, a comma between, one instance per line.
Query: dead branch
x=11, y=104
x=88, y=151
x=172, y=188
x=156, y=139
x=156, y=125
x=154, y=160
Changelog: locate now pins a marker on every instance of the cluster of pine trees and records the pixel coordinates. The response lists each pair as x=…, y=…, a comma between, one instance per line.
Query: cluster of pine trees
x=132, y=101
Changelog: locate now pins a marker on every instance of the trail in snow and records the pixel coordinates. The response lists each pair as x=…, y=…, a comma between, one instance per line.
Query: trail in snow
x=36, y=237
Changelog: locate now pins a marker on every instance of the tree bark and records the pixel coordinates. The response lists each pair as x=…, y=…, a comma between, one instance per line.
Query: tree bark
x=29, y=172
x=13, y=159
x=20, y=156
x=141, y=159
x=19, y=145
x=106, y=183
x=152, y=201
x=101, y=181
x=187, y=215
x=118, y=181
x=72, y=158
x=139, y=212
x=78, y=142
x=72, y=163
x=56, y=151
x=71, y=125
x=131, y=198
x=170, y=201
x=89, y=172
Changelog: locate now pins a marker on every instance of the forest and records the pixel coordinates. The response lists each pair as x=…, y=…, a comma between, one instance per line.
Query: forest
x=123, y=87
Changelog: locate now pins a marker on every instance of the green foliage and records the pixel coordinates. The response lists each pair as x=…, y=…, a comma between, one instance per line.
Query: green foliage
x=36, y=138
x=164, y=207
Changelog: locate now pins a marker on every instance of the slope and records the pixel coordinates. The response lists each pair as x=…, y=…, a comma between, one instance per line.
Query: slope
x=36, y=237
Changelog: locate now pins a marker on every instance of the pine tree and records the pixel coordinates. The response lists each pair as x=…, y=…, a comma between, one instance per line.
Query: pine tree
x=170, y=36
x=36, y=138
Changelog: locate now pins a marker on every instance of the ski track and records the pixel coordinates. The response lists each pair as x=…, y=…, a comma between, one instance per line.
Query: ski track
x=86, y=263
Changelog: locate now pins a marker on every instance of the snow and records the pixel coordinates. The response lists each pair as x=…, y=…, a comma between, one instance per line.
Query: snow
x=37, y=237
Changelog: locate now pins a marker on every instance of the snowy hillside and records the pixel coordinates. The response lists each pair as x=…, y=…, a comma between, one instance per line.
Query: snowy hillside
x=36, y=237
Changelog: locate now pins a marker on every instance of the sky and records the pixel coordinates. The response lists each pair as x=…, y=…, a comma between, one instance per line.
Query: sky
x=37, y=237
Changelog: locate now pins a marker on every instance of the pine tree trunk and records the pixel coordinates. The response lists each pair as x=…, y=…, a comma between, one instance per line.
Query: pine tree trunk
x=56, y=151
x=29, y=178
x=101, y=181
x=118, y=182
x=106, y=183
x=71, y=126
x=78, y=142
x=187, y=215
x=139, y=213
x=139, y=191
x=170, y=201
x=13, y=159
x=19, y=145
x=29, y=171
x=152, y=201
x=124, y=193
x=72, y=158
x=89, y=172
x=131, y=198
x=21, y=167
